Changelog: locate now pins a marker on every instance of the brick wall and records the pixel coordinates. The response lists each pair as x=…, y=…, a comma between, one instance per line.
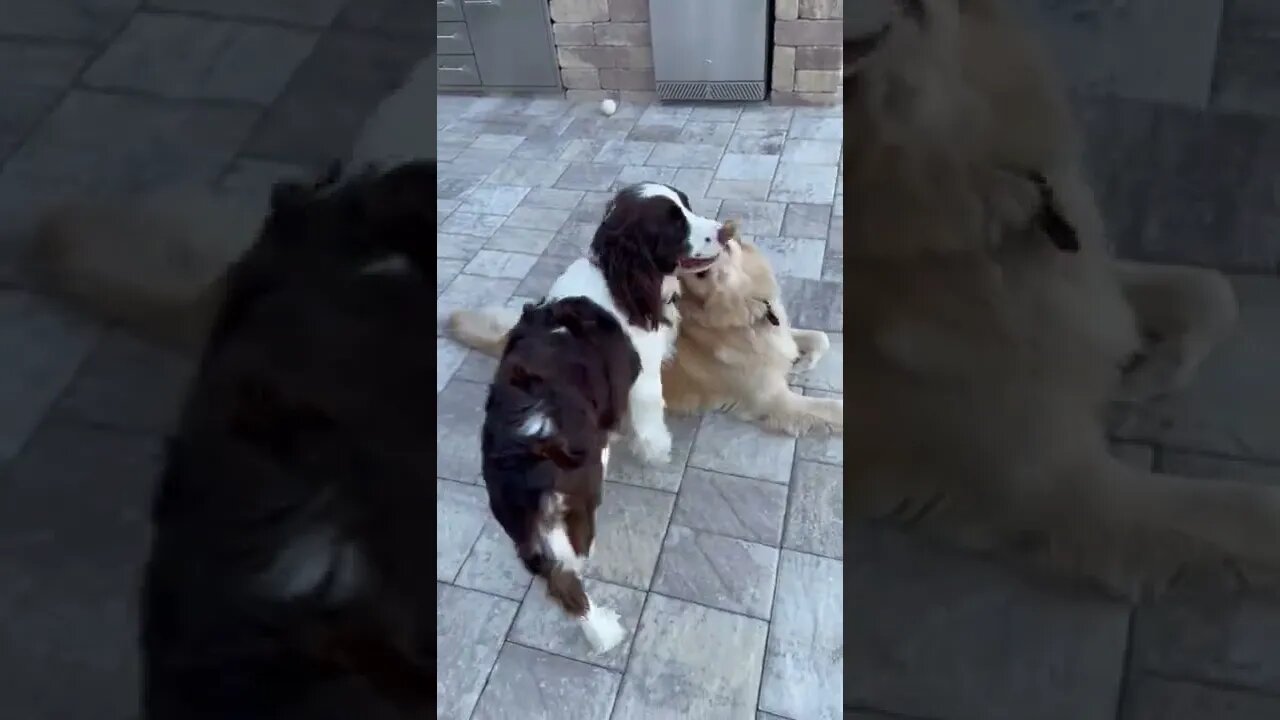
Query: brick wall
x=807, y=52
x=603, y=47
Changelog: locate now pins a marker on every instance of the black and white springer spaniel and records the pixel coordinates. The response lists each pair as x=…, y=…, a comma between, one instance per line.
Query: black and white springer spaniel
x=574, y=366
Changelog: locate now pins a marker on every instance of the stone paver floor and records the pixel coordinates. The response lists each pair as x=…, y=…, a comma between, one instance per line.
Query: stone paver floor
x=726, y=564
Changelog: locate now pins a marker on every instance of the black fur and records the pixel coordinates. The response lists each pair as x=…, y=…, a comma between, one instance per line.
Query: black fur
x=640, y=240
x=304, y=451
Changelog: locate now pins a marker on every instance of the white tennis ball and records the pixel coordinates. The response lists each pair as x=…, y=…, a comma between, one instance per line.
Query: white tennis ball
x=608, y=107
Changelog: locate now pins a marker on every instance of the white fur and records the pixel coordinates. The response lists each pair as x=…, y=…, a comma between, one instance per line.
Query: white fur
x=702, y=230
x=558, y=546
x=649, y=434
x=537, y=424
x=308, y=561
x=601, y=627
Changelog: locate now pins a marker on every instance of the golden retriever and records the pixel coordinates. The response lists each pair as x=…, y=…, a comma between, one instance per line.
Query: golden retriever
x=734, y=350
x=988, y=327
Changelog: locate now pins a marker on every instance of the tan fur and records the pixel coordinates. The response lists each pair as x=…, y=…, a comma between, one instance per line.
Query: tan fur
x=980, y=358
x=728, y=355
x=153, y=265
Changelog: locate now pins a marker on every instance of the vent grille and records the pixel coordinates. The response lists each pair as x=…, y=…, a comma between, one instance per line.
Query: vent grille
x=724, y=91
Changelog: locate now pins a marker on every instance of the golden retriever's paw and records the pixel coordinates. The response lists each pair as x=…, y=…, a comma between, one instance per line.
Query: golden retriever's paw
x=653, y=447
x=813, y=345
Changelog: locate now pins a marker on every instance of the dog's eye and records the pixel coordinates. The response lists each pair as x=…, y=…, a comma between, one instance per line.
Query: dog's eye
x=703, y=274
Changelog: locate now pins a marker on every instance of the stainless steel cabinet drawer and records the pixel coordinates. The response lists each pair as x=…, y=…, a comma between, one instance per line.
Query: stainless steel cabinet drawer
x=457, y=70
x=447, y=10
x=451, y=38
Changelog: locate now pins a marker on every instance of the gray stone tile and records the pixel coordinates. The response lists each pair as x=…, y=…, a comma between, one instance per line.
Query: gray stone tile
x=815, y=515
x=665, y=115
x=763, y=219
x=747, y=168
x=323, y=109
x=821, y=446
x=694, y=183
x=553, y=198
x=446, y=271
x=542, y=275
x=793, y=257
x=678, y=666
x=530, y=173
x=739, y=190
x=67, y=20
x=828, y=374
x=44, y=346
x=495, y=141
x=732, y=506
x=655, y=132
x=1244, y=78
x=585, y=150
x=530, y=684
x=314, y=13
x=461, y=513
x=536, y=218
x=758, y=142
x=520, y=240
x=542, y=148
x=469, y=291
x=807, y=221
x=468, y=223
x=729, y=445
x=630, y=524
x=499, y=264
x=491, y=199
x=479, y=161
x=459, y=247
x=196, y=58
x=674, y=154
x=718, y=571
x=449, y=357
x=493, y=566
x=1153, y=698
x=588, y=176
x=74, y=525
x=797, y=183
x=600, y=128
x=470, y=627
x=1118, y=48
x=804, y=661
x=815, y=152
x=130, y=144
x=591, y=209
x=35, y=77
x=814, y=304
x=624, y=152
x=632, y=174
x=544, y=625
x=926, y=612
x=572, y=241
x=1222, y=412
x=698, y=132
x=252, y=178
x=765, y=117
x=128, y=384
x=715, y=113
x=625, y=467
x=478, y=367
x=816, y=128
x=453, y=184
x=460, y=413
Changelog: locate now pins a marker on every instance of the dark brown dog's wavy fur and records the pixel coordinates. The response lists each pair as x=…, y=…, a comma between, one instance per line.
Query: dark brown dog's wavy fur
x=640, y=241
x=306, y=429
x=579, y=377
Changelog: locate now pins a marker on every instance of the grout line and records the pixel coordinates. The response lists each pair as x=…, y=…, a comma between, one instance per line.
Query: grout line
x=1126, y=667
x=777, y=571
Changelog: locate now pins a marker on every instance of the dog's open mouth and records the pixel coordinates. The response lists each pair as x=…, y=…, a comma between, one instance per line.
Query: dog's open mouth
x=693, y=264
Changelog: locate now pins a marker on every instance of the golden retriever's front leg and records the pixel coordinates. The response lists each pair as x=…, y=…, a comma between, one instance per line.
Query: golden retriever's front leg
x=813, y=344
x=1185, y=312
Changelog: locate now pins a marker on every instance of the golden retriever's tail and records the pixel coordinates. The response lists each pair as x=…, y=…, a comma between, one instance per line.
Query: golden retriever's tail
x=484, y=330
x=152, y=266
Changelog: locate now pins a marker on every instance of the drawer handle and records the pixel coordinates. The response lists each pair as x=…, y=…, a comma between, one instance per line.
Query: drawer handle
x=445, y=68
x=444, y=3
x=447, y=37
x=494, y=3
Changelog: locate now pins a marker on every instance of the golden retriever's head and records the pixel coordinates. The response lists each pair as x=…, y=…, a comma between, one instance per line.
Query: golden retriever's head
x=741, y=272
x=948, y=102
x=962, y=74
